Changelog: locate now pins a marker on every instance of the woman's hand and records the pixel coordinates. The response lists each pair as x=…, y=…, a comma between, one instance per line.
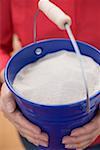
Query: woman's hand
x=81, y=138
x=28, y=130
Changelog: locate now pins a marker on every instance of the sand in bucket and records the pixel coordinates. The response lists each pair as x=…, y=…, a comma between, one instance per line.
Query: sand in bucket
x=56, y=79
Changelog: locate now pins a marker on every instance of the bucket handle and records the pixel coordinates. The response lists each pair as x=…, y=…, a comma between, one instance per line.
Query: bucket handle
x=78, y=53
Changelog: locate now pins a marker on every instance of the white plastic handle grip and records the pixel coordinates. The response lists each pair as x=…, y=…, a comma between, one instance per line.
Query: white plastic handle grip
x=54, y=13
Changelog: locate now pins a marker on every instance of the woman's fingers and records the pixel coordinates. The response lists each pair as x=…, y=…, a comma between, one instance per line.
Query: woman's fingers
x=78, y=145
x=19, y=121
x=41, y=136
x=37, y=138
x=44, y=137
x=88, y=128
x=8, y=103
x=81, y=138
x=18, y=118
x=33, y=139
x=30, y=139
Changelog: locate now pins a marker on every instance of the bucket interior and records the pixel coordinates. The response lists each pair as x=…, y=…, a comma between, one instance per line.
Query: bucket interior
x=36, y=51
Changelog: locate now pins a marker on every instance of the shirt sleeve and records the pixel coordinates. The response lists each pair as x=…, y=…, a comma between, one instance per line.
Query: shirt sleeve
x=6, y=32
x=3, y=59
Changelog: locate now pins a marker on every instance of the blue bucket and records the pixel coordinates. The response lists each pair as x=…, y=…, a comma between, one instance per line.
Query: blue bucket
x=58, y=120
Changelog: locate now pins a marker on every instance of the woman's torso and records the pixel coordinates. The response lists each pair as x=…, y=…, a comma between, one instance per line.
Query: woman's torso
x=85, y=16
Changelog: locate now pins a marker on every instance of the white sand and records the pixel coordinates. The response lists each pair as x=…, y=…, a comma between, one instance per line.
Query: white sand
x=56, y=79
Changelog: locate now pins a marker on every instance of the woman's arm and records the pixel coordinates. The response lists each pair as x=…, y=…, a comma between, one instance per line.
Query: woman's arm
x=83, y=137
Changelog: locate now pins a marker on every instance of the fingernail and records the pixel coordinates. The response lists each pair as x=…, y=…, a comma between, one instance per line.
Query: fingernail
x=45, y=144
x=10, y=107
x=73, y=133
x=36, y=144
x=64, y=140
x=67, y=146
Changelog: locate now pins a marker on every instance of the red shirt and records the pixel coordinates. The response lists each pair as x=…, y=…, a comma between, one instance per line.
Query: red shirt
x=16, y=16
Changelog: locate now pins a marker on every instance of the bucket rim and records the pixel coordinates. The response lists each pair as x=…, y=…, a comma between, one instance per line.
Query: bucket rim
x=38, y=104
